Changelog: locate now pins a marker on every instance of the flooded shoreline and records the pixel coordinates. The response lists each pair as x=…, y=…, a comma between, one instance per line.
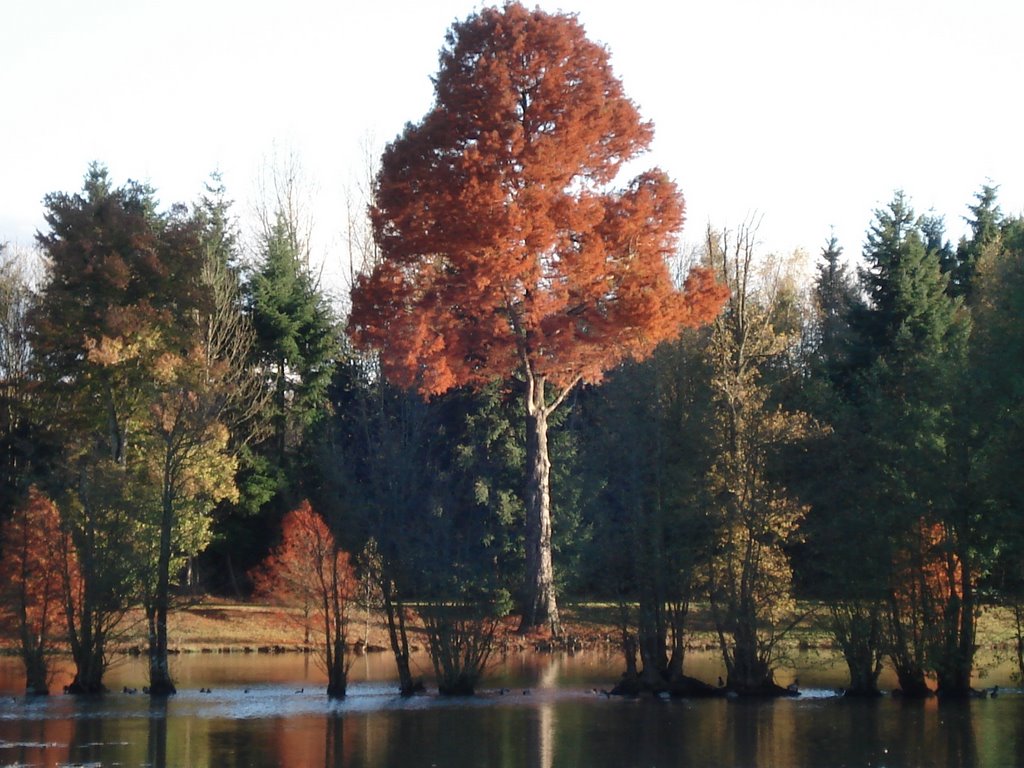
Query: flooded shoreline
x=534, y=709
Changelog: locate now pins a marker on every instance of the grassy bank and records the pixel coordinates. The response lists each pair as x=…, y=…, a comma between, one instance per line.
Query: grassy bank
x=212, y=625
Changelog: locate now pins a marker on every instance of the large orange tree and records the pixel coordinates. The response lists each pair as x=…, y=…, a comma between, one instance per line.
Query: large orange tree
x=507, y=246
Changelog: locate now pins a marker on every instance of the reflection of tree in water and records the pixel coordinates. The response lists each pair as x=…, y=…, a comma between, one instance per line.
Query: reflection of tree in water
x=245, y=741
x=156, y=734
x=88, y=745
x=746, y=724
x=547, y=729
x=334, y=741
x=40, y=741
x=958, y=724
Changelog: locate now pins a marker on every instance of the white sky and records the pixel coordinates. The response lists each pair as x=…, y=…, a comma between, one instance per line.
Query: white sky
x=807, y=113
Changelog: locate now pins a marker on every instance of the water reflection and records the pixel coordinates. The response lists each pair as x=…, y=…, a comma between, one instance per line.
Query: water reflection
x=560, y=722
x=156, y=735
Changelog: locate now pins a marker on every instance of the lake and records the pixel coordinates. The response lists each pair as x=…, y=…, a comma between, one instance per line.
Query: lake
x=535, y=710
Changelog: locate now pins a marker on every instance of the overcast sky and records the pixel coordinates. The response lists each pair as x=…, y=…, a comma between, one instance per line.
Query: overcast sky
x=806, y=113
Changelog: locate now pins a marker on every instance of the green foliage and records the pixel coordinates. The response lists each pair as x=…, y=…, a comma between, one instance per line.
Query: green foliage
x=646, y=450
x=296, y=336
x=128, y=359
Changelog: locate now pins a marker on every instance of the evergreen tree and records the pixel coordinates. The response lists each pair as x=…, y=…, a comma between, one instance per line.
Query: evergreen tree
x=296, y=345
x=985, y=222
x=831, y=471
x=997, y=356
x=907, y=357
x=834, y=293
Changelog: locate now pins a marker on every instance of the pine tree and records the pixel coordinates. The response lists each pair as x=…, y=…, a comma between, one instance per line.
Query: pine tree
x=296, y=346
x=907, y=359
x=985, y=223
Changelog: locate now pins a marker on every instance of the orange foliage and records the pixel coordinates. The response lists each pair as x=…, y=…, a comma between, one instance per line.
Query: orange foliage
x=503, y=246
x=307, y=569
x=31, y=581
x=927, y=574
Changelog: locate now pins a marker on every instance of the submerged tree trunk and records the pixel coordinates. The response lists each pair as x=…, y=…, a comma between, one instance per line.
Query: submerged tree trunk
x=160, y=683
x=906, y=653
x=395, y=612
x=86, y=634
x=748, y=673
x=33, y=645
x=37, y=677
x=540, y=606
x=337, y=669
x=677, y=612
x=653, y=653
x=90, y=662
x=857, y=629
x=336, y=625
x=955, y=668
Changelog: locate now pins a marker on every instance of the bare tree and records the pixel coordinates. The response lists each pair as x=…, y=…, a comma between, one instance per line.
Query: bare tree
x=18, y=276
x=284, y=195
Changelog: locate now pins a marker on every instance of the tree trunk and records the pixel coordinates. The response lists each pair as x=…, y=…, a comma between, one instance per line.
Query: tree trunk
x=677, y=620
x=954, y=674
x=337, y=631
x=748, y=674
x=36, y=674
x=87, y=641
x=89, y=667
x=160, y=683
x=653, y=652
x=394, y=611
x=337, y=674
x=33, y=646
x=540, y=606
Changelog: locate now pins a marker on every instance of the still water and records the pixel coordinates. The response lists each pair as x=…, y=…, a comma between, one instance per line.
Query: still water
x=540, y=711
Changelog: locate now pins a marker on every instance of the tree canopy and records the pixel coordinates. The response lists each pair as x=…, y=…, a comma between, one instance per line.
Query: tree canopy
x=504, y=246
x=506, y=250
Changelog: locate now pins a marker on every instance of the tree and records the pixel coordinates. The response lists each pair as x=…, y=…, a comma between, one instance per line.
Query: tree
x=374, y=463
x=227, y=339
x=831, y=478
x=646, y=447
x=100, y=559
x=985, y=227
x=107, y=311
x=425, y=491
x=834, y=294
x=997, y=358
x=755, y=517
x=909, y=345
x=122, y=333
x=187, y=463
x=17, y=441
x=503, y=248
x=295, y=340
x=309, y=569
x=30, y=585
